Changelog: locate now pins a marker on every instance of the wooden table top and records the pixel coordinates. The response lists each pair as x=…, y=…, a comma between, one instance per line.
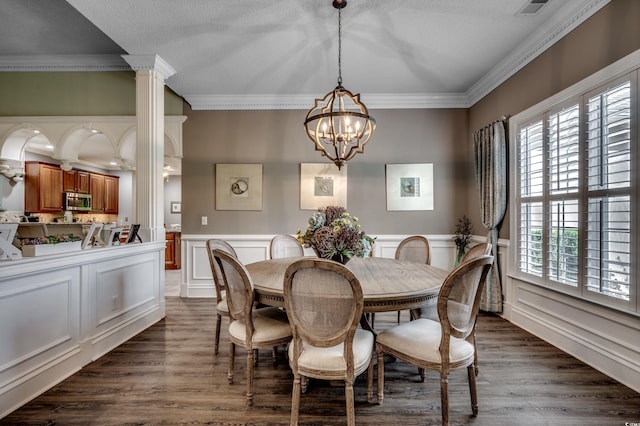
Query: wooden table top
x=387, y=284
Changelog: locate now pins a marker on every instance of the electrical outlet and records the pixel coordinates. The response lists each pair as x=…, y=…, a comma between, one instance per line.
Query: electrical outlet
x=114, y=303
x=204, y=220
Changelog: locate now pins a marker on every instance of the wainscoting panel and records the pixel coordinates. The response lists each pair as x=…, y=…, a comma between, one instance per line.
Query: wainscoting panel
x=50, y=327
x=122, y=290
x=60, y=312
x=606, y=339
x=198, y=281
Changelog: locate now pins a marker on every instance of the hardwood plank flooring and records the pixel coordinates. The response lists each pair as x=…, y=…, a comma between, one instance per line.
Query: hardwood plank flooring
x=168, y=375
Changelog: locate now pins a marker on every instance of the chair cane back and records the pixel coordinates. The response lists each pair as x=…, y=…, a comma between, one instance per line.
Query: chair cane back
x=324, y=303
x=285, y=246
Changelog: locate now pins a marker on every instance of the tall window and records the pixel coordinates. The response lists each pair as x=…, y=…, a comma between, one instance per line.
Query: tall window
x=576, y=200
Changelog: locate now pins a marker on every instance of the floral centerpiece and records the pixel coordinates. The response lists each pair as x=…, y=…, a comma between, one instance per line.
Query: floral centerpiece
x=335, y=234
x=462, y=237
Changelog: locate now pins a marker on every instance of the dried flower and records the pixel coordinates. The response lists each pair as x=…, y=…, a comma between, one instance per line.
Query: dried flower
x=334, y=233
x=463, y=233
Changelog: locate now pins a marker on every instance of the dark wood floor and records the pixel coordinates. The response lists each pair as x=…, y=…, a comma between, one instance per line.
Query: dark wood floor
x=169, y=375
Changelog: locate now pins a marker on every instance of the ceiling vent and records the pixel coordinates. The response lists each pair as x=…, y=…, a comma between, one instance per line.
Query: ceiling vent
x=532, y=7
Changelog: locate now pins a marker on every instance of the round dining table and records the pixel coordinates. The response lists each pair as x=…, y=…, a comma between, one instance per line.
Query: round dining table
x=387, y=284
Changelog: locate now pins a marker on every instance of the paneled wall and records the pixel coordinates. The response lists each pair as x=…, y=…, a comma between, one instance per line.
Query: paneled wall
x=60, y=312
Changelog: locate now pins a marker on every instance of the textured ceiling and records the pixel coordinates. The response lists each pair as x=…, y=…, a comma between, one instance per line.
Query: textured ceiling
x=257, y=54
x=282, y=53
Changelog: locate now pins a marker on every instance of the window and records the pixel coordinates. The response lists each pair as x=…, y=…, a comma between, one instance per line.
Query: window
x=576, y=197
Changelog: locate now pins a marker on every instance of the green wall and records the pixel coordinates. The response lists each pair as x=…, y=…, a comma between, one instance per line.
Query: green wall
x=73, y=93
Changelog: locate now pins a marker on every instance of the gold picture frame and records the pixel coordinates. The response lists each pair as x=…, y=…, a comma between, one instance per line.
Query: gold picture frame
x=238, y=186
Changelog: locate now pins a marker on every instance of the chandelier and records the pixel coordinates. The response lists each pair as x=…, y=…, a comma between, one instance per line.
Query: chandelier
x=339, y=124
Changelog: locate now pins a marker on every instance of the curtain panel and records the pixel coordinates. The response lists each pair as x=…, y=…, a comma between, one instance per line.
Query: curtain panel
x=490, y=161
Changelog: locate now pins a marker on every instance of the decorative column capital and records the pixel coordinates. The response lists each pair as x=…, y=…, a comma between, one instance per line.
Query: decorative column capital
x=150, y=63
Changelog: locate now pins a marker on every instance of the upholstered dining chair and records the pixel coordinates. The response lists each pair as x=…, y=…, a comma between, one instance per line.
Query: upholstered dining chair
x=285, y=246
x=431, y=311
x=446, y=345
x=413, y=249
x=250, y=328
x=324, y=303
x=222, y=309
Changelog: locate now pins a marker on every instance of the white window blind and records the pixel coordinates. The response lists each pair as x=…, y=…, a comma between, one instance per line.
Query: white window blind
x=564, y=148
x=609, y=192
x=577, y=194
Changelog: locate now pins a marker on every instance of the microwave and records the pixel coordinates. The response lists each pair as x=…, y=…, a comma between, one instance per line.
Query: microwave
x=77, y=202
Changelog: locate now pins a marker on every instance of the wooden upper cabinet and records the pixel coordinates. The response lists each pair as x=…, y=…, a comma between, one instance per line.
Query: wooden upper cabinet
x=111, y=194
x=42, y=187
x=45, y=185
x=96, y=189
x=75, y=181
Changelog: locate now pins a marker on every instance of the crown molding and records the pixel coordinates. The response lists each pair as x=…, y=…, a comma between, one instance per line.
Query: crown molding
x=373, y=101
x=545, y=37
x=150, y=63
x=64, y=63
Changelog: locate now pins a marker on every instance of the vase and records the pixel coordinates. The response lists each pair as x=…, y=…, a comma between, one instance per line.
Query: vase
x=336, y=257
x=459, y=256
x=340, y=259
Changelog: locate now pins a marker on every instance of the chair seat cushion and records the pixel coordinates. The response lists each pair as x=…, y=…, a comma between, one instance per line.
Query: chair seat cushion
x=270, y=324
x=332, y=359
x=420, y=339
x=223, y=307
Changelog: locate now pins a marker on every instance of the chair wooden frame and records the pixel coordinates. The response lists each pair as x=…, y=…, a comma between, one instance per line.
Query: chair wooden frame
x=451, y=331
x=313, y=339
x=250, y=328
x=285, y=242
x=222, y=309
x=477, y=250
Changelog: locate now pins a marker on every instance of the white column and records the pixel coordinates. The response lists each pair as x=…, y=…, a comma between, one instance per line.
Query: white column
x=151, y=72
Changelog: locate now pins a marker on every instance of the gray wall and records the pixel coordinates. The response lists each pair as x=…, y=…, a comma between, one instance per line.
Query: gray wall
x=172, y=192
x=607, y=36
x=277, y=140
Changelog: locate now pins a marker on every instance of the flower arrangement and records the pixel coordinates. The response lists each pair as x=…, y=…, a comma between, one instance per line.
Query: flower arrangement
x=335, y=234
x=462, y=237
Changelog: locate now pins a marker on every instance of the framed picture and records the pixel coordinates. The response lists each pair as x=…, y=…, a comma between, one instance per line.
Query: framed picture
x=176, y=207
x=238, y=186
x=92, y=239
x=321, y=185
x=133, y=234
x=410, y=186
x=114, y=237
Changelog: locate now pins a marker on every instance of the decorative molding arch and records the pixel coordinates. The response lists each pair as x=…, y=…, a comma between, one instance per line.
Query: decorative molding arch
x=68, y=133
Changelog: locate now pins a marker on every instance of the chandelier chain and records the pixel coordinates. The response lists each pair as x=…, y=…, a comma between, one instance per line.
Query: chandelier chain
x=340, y=47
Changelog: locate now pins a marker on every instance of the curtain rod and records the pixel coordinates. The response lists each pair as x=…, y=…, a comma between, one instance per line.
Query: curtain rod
x=503, y=118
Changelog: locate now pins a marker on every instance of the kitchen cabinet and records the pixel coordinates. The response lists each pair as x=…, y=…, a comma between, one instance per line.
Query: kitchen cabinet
x=75, y=181
x=172, y=251
x=42, y=187
x=46, y=183
x=111, y=194
x=96, y=189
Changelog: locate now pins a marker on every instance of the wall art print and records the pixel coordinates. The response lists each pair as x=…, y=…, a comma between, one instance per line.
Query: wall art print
x=238, y=186
x=321, y=185
x=410, y=186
